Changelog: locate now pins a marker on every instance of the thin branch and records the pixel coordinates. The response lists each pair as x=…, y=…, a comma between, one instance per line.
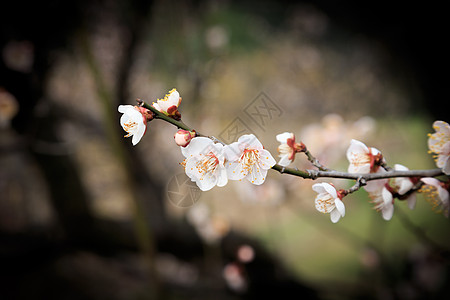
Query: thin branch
x=323, y=172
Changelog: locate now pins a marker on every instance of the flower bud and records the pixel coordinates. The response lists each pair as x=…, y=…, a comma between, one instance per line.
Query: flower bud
x=183, y=137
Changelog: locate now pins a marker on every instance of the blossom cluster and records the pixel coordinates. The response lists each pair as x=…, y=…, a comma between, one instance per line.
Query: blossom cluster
x=209, y=162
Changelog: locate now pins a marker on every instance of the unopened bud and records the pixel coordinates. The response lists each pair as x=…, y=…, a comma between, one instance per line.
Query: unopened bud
x=183, y=137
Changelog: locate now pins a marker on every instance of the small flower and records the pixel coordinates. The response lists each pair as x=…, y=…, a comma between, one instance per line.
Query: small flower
x=204, y=163
x=288, y=148
x=134, y=121
x=329, y=201
x=439, y=143
x=363, y=159
x=183, y=137
x=169, y=104
x=402, y=185
x=383, y=199
x=437, y=194
x=247, y=158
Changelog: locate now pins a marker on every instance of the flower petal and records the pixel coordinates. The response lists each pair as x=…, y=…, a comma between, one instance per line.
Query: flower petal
x=412, y=199
x=207, y=182
x=251, y=141
x=330, y=189
x=222, y=178
x=282, y=137
x=235, y=171
x=124, y=108
x=340, y=206
x=285, y=161
x=387, y=212
x=335, y=216
x=196, y=146
x=318, y=187
x=257, y=176
x=233, y=151
x=266, y=161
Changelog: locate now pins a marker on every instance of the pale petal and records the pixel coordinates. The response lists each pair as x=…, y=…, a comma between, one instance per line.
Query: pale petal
x=374, y=151
x=283, y=137
x=387, y=212
x=335, y=216
x=441, y=126
x=156, y=106
x=387, y=196
x=233, y=151
x=266, y=161
x=446, y=167
x=124, y=108
x=207, y=182
x=257, y=176
x=222, y=178
x=251, y=141
x=364, y=169
x=318, y=187
x=340, y=206
x=137, y=136
x=174, y=99
x=330, y=189
x=405, y=185
x=431, y=181
x=412, y=199
x=196, y=146
x=356, y=147
x=285, y=161
x=235, y=170
x=191, y=168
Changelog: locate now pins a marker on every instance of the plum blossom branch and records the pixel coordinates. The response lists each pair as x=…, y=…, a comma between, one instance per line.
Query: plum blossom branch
x=209, y=162
x=323, y=172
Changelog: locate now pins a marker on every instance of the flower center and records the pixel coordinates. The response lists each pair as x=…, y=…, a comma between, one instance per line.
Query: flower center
x=130, y=127
x=440, y=139
x=207, y=164
x=325, y=203
x=249, y=158
x=360, y=159
x=284, y=149
x=431, y=195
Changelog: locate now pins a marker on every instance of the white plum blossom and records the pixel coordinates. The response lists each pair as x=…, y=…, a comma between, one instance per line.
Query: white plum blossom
x=133, y=121
x=437, y=194
x=439, y=143
x=204, y=163
x=381, y=196
x=288, y=148
x=363, y=159
x=402, y=185
x=169, y=104
x=247, y=158
x=329, y=201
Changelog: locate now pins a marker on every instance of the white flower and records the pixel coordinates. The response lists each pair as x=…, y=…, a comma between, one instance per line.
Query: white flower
x=329, y=201
x=363, y=159
x=133, y=121
x=288, y=148
x=439, y=143
x=437, y=194
x=247, y=158
x=204, y=163
x=381, y=197
x=169, y=104
x=402, y=185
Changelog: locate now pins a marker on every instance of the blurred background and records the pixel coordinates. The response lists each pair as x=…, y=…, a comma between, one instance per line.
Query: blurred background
x=85, y=215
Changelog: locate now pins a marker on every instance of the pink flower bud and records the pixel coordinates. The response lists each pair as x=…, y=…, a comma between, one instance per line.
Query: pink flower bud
x=183, y=137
